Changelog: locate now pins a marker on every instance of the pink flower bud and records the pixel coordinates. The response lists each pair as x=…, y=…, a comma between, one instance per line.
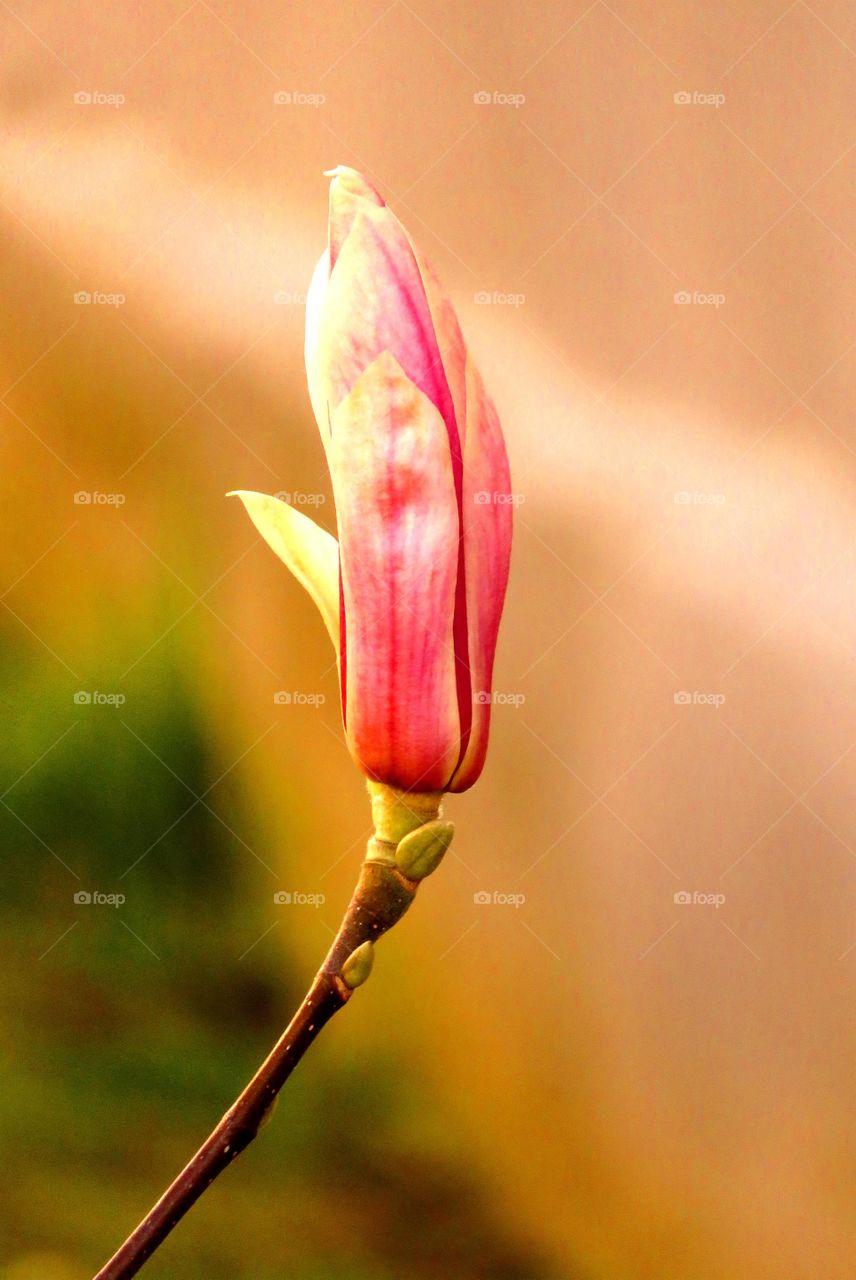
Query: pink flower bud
x=422, y=491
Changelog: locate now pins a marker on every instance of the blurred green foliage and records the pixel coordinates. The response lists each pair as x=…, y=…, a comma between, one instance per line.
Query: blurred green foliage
x=127, y=1030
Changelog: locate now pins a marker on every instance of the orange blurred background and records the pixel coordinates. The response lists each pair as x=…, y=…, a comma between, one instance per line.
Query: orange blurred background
x=634, y=1061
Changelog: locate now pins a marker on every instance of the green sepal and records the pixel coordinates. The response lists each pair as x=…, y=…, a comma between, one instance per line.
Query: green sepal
x=396, y=813
x=310, y=552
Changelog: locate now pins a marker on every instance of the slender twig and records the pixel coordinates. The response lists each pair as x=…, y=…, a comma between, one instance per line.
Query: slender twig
x=380, y=899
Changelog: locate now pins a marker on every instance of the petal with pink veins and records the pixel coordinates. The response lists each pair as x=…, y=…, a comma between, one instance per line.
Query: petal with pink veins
x=375, y=301
x=398, y=537
x=450, y=340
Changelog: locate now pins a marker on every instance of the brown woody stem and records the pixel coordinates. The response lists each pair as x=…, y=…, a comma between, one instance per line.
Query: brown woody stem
x=380, y=899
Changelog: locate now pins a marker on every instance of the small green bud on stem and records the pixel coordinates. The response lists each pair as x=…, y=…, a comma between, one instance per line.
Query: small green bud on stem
x=421, y=852
x=358, y=965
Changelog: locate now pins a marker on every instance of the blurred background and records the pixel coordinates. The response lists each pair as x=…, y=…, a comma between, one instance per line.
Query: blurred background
x=614, y=1040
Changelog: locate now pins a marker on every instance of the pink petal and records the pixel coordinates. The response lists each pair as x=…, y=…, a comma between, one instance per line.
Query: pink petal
x=398, y=534
x=375, y=301
x=450, y=340
x=487, y=552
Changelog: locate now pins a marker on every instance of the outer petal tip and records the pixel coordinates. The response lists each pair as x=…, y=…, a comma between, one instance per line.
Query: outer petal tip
x=349, y=192
x=354, y=183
